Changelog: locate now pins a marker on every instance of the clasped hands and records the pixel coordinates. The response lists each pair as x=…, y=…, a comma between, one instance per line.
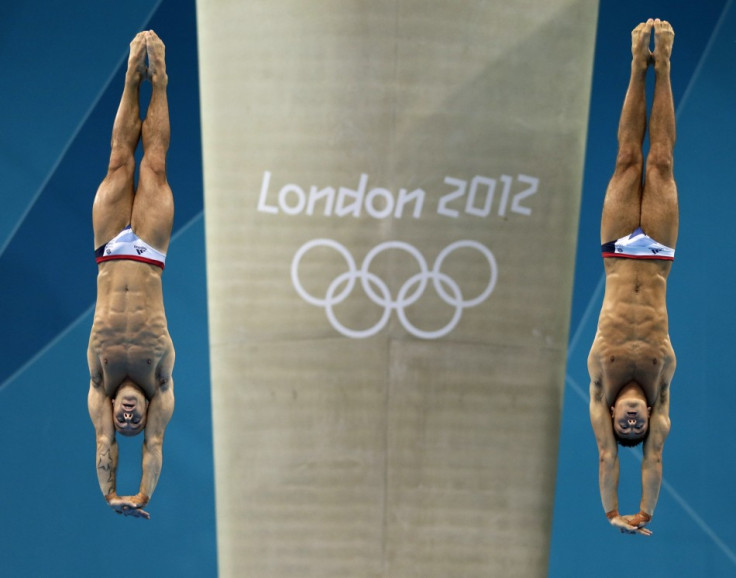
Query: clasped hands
x=632, y=524
x=129, y=505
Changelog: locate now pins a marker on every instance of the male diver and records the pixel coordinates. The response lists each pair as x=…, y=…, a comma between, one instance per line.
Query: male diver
x=130, y=354
x=631, y=362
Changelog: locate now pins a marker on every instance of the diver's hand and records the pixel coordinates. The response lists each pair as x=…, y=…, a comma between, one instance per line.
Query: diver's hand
x=639, y=521
x=129, y=505
x=630, y=524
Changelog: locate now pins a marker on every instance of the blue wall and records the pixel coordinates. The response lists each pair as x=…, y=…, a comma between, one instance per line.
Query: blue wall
x=694, y=534
x=63, y=70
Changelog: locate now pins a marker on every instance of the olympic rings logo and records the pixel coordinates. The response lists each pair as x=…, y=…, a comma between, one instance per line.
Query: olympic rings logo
x=378, y=291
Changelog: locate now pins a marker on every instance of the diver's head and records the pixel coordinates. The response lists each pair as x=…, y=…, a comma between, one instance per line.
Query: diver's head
x=129, y=409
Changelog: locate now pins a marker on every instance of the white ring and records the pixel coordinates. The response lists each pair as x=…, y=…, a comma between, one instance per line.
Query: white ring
x=370, y=281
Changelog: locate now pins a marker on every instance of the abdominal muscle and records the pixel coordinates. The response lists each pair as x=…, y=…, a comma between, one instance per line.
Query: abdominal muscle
x=632, y=342
x=129, y=333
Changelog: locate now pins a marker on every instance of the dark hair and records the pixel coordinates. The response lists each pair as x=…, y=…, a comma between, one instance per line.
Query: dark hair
x=630, y=442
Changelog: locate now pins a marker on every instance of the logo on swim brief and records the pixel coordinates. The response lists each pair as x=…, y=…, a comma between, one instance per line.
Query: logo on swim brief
x=377, y=290
x=140, y=250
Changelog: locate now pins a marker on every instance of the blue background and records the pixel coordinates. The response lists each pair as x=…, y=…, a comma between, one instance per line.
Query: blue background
x=63, y=68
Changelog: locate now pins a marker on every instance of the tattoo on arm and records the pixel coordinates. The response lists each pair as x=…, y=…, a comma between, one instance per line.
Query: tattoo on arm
x=106, y=471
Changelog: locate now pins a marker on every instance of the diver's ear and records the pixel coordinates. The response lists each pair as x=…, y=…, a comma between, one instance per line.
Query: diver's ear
x=649, y=411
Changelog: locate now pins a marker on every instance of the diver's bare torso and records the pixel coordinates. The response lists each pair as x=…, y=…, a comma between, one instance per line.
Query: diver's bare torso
x=129, y=338
x=632, y=343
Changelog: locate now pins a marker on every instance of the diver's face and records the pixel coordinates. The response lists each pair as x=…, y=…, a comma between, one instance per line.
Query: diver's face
x=630, y=418
x=129, y=410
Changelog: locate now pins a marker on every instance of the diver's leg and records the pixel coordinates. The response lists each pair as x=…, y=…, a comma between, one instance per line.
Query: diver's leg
x=114, y=199
x=622, y=204
x=153, y=210
x=659, y=214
